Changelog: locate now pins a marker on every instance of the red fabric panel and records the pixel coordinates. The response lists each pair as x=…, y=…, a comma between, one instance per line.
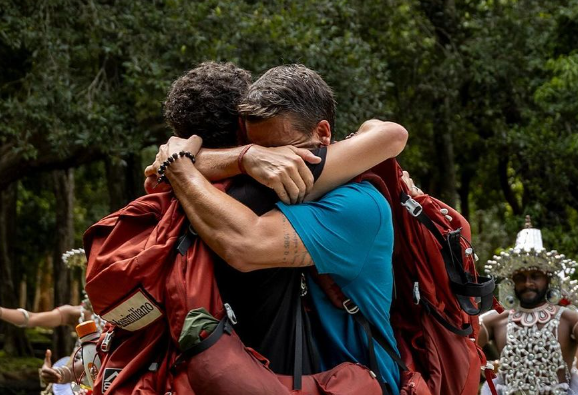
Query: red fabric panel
x=224, y=369
x=134, y=353
x=130, y=248
x=191, y=284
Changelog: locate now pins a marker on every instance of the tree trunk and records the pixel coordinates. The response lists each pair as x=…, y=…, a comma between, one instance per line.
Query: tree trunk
x=44, y=297
x=446, y=169
x=64, y=193
x=125, y=180
x=23, y=294
x=15, y=341
x=505, y=184
x=464, y=192
x=116, y=183
x=134, y=177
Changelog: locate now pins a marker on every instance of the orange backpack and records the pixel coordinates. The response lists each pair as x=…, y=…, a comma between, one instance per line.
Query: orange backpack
x=438, y=293
x=137, y=280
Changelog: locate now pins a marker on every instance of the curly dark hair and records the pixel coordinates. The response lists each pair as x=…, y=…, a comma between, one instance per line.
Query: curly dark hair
x=204, y=102
x=293, y=90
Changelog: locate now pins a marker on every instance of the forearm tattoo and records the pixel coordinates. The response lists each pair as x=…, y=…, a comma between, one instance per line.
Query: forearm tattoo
x=291, y=254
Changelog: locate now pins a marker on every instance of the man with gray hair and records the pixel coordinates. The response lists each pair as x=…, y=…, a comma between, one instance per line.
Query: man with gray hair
x=348, y=233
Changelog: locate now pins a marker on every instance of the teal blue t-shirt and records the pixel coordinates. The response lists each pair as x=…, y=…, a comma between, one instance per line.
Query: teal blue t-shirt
x=349, y=234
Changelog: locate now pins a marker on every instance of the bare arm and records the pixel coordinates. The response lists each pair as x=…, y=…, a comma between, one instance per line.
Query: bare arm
x=374, y=142
x=243, y=239
x=214, y=164
x=63, y=374
x=282, y=169
x=46, y=319
x=571, y=317
x=218, y=164
x=487, y=322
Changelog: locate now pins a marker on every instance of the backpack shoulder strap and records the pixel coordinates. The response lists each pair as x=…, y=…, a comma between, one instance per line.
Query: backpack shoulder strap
x=339, y=300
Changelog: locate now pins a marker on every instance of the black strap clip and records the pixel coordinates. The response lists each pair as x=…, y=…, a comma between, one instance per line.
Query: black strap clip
x=186, y=240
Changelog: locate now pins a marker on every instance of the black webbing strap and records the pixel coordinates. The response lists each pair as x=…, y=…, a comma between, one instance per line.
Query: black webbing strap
x=424, y=219
x=386, y=346
x=298, y=362
x=465, y=331
x=483, y=287
x=186, y=240
x=373, y=365
x=452, y=251
x=223, y=327
x=369, y=331
x=372, y=332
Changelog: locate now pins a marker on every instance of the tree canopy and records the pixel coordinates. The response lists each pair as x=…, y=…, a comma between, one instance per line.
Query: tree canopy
x=487, y=90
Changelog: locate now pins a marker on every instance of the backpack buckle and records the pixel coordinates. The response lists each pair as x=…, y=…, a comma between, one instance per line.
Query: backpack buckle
x=350, y=307
x=303, y=285
x=230, y=313
x=105, y=345
x=416, y=294
x=412, y=206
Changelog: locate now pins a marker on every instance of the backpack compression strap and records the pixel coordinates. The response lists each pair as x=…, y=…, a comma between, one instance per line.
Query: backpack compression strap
x=224, y=326
x=339, y=300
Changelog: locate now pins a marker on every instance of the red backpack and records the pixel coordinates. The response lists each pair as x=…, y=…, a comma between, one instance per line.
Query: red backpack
x=438, y=293
x=133, y=264
x=137, y=280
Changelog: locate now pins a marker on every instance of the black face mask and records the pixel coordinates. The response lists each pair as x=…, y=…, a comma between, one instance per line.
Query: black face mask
x=531, y=302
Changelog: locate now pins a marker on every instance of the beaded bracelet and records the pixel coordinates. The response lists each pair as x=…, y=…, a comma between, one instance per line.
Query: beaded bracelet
x=170, y=160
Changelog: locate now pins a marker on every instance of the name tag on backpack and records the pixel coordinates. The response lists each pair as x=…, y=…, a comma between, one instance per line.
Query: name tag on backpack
x=135, y=312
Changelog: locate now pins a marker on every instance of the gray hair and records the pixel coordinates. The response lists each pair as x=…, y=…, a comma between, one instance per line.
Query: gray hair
x=292, y=90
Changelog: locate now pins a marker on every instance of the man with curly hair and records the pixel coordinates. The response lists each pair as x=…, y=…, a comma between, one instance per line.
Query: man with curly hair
x=204, y=101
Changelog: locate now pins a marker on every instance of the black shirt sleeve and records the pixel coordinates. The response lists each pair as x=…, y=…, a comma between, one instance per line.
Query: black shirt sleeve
x=317, y=169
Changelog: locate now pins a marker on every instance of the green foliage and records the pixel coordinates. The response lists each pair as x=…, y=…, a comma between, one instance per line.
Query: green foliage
x=486, y=88
x=17, y=364
x=91, y=198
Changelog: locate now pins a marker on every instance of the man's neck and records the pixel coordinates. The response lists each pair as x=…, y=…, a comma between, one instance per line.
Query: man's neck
x=533, y=306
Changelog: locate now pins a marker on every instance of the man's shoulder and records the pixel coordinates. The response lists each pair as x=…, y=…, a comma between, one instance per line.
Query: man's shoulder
x=363, y=189
x=492, y=318
x=570, y=315
x=356, y=198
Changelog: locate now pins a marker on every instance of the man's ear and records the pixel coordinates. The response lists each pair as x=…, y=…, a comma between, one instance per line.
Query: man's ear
x=242, y=138
x=322, y=133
